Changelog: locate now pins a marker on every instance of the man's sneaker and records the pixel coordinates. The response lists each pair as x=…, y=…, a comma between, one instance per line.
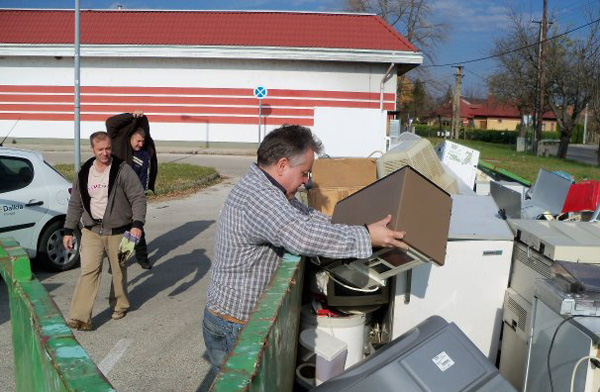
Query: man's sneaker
x=145, y=264
x=118, y=315
x=79, y=325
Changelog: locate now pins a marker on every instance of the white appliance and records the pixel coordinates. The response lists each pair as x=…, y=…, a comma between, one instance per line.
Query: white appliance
x=412, y=150
x=560, y=240
x=538, y=244
x=528, y=267
x=516, y=319
x=469, y=289
x=558, y=343
x=461, y=160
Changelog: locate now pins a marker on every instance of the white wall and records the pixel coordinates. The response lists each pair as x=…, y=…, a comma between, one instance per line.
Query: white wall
x=351, y=133
x=312, y=76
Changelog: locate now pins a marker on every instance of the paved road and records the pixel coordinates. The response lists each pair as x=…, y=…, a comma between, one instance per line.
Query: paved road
x=160, y=340
x=585, y=153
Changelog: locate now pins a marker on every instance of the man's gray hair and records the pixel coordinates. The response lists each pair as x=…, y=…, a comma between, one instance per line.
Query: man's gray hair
x=100, y=135
x=287, y=141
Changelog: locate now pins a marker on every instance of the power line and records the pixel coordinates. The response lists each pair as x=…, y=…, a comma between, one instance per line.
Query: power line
x=479, y=76
x=513, y=50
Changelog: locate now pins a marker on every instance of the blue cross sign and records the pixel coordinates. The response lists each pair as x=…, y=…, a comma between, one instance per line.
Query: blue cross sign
x=260, y=92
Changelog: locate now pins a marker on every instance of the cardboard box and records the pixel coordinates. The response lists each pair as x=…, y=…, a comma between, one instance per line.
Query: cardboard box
x=337, y=178
x=417, y=205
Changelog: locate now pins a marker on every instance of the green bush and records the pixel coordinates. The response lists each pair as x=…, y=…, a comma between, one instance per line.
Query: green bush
x=498, y=137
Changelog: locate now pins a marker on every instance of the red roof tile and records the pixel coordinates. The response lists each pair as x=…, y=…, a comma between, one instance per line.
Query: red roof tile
x=263, y=29
x=485, y=108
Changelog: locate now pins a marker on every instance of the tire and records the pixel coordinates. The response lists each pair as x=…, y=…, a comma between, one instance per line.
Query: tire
x=51, y=253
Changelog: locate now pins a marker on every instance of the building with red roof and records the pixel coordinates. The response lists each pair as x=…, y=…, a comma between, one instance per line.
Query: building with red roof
x=488, y=114
x=194, y=73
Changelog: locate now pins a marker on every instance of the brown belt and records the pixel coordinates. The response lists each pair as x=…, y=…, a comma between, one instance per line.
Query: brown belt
x=226, y=317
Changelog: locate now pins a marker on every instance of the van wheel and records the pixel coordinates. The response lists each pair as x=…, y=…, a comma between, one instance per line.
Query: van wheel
x=51, y=253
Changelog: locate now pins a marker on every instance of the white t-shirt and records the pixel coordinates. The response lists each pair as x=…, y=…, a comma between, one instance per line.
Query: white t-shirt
x=98, y=191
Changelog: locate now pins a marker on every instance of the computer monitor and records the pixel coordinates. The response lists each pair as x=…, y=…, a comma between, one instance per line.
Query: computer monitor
x=412, y=150
x=349, y=300
x=508, y=200
x=433, y=356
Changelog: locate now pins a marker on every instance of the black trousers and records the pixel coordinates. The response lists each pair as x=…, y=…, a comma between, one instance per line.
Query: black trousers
x=141, y=249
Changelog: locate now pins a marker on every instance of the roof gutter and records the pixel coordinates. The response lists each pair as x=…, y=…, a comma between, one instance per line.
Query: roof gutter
x=382, y=83
x=412, y=59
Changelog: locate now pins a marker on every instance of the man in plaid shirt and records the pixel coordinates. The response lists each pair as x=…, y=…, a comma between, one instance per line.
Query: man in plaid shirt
x=260, y=221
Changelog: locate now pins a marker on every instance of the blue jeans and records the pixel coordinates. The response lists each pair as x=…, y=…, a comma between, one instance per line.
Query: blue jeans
x=219, y=337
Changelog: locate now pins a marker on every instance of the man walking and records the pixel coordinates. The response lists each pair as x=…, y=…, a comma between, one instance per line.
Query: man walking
x=108, y=199
x=130, y=134
x=260, y=221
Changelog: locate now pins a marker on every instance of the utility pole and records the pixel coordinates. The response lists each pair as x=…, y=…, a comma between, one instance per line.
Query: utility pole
x=539, y=112
x=455, y=132
x=77, y=106
x=587, y=105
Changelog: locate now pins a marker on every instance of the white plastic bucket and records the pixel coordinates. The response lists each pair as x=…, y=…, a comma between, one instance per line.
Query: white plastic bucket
x=331, y=353
x=349, y=329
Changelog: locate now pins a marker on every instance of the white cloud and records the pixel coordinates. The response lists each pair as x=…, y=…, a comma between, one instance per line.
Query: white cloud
x=470, y=15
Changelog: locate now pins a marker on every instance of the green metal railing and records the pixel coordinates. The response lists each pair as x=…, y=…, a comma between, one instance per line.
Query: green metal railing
x=505, y=174
x=265, y=355
x=47, y=355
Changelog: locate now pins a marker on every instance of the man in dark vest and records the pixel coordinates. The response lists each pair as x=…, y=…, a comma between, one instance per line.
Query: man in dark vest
x=131, y=141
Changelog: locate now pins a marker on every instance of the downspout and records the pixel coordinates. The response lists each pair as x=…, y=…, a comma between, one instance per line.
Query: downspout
x=382, y=83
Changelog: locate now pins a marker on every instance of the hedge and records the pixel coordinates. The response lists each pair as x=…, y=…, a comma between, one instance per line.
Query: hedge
x=494, y=136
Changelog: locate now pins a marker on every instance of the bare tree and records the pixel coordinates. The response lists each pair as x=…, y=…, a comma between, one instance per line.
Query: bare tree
x=473, y=92
x=569, y=73
x=412, y=18
x=594, y=105
x=515, y=81
x=570, y=84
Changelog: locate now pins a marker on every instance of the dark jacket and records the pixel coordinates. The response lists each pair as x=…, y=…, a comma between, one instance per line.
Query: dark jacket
x=120, y=128
x=126, y=206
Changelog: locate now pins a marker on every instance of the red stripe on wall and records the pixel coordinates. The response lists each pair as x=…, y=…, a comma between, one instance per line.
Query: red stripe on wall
x=331, y=94
x=309, y=122
x=244, y=92
x=110, y=109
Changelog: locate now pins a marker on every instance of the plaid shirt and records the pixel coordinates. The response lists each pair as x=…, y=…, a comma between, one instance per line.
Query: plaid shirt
x=257, y=225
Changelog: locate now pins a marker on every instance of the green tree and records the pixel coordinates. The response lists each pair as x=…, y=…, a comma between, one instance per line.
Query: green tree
x=420, y=103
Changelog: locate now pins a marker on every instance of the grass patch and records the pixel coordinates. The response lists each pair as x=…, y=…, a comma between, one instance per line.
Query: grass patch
x=174, y=179
x=525, y=165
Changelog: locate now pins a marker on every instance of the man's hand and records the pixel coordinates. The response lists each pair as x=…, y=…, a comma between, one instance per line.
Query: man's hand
x=68, y=242
x=136, y=232
x=382, y=236
x=137, y=113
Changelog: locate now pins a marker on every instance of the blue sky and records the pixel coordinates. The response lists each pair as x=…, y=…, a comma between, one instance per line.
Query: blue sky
x=474, y=23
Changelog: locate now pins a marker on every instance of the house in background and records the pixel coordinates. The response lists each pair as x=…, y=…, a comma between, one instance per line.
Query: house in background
x=487, y=114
